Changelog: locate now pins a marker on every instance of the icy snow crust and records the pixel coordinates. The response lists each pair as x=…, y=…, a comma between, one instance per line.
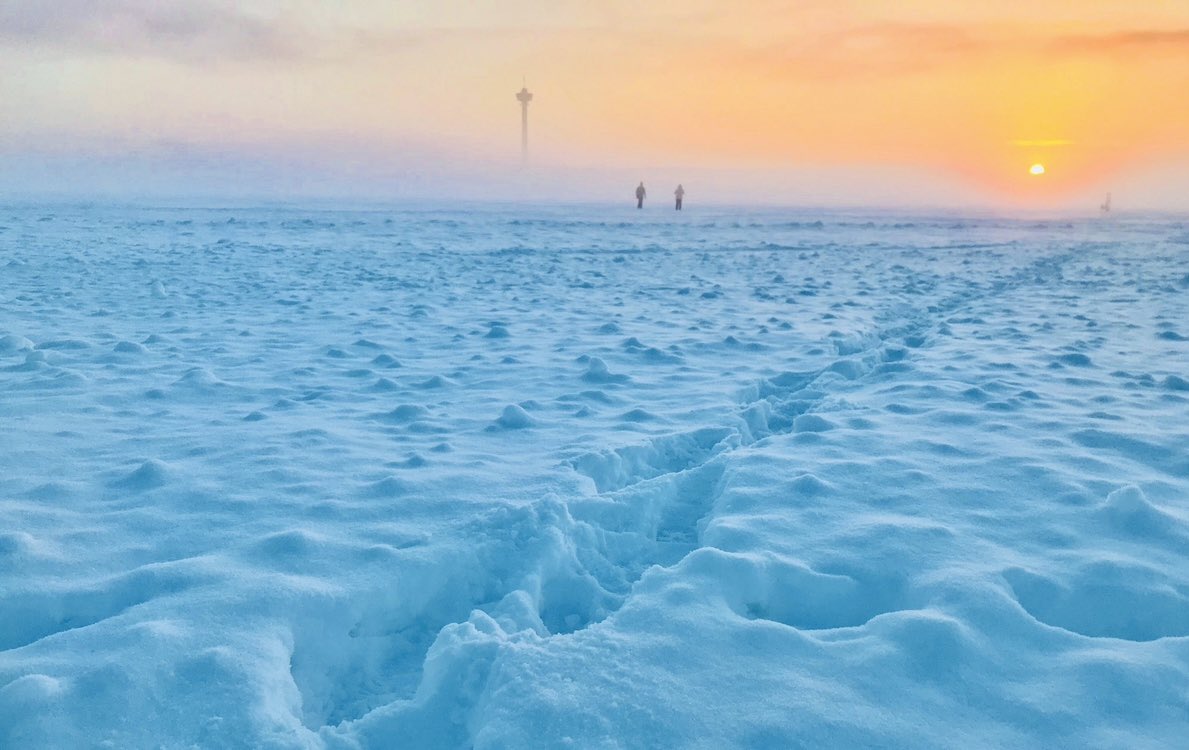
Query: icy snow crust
x=591, y=478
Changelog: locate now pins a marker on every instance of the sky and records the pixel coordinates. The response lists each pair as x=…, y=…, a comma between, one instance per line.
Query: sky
x=812, y=102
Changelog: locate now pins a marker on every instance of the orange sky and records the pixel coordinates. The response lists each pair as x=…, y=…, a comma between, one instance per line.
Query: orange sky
x=964, y=92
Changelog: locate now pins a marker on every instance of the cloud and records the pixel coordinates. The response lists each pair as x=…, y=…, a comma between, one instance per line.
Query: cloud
x=876, y=49
x=204, y=31
x=191, y=30
x=1126, y=42
x=906, y=48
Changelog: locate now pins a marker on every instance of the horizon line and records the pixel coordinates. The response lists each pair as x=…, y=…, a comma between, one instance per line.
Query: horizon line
x=345, y=203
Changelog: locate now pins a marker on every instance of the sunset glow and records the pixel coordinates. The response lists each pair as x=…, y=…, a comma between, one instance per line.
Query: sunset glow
x=949, y=98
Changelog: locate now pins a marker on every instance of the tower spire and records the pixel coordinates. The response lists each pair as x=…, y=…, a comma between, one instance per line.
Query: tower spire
x=524, y=97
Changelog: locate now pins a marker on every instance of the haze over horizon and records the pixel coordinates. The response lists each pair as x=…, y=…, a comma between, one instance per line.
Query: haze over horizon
x=822, y=103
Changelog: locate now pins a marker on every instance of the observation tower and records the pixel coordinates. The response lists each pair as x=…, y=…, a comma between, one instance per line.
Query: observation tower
x=524, y=97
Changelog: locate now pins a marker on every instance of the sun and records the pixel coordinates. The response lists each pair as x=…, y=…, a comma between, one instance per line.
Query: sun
x=1036, y=169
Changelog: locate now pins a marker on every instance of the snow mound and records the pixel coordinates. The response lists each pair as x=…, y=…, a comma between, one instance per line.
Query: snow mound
x=149, y=475
x=514, y=417
x=11, y=343
x=1128, y=509
x=598, y=372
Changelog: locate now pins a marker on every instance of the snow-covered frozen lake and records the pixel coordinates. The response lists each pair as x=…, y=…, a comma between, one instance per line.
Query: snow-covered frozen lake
x=592, y=478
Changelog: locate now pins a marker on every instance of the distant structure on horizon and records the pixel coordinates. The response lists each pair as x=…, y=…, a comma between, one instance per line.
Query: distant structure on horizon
x=524, y=97
x=1106, y=205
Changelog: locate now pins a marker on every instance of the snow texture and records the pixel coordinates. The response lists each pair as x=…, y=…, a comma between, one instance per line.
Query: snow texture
x=591, y=478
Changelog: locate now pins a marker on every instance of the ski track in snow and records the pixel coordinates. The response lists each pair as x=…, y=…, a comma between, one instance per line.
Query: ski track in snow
x=351, y=479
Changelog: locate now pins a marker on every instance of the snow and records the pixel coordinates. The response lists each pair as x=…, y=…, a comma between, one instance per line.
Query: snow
x=591, y=477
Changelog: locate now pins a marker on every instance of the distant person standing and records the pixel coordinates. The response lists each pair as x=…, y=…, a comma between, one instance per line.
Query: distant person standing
x=641, y=193
x=679, y=193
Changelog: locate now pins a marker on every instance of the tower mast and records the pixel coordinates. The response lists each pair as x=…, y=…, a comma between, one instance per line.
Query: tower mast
x=524, y=97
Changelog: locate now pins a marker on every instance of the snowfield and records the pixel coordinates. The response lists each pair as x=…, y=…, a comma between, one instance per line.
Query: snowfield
x=592, y=478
